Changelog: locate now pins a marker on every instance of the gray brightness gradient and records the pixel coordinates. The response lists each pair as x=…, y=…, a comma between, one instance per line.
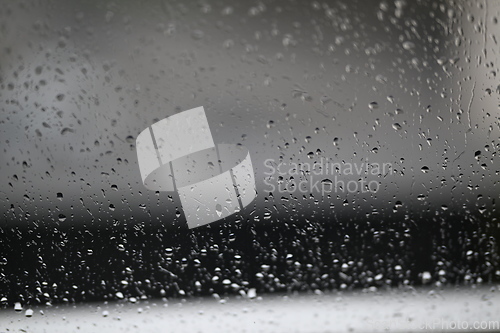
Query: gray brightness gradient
x=394, y=106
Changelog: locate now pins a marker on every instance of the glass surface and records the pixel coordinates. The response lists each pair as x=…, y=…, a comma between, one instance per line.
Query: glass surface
x=363, y=164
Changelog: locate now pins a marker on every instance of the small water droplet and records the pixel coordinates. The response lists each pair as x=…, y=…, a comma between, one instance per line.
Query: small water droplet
x=408, y=45
x=66, y=130
x=426, y=277
x=252, y=293
x=218, y=210
x=327, y=182
x=18, y=306
x=197, y=34
x=373, y=105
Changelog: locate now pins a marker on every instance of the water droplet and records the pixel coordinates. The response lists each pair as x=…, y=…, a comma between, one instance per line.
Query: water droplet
x=426, y=277
x=18, y=306
x=327, y=182
x=373, y=105
x=67, y=130
x=197, y=34
x=218, y=210
x=252, y=293
x=408, y=45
